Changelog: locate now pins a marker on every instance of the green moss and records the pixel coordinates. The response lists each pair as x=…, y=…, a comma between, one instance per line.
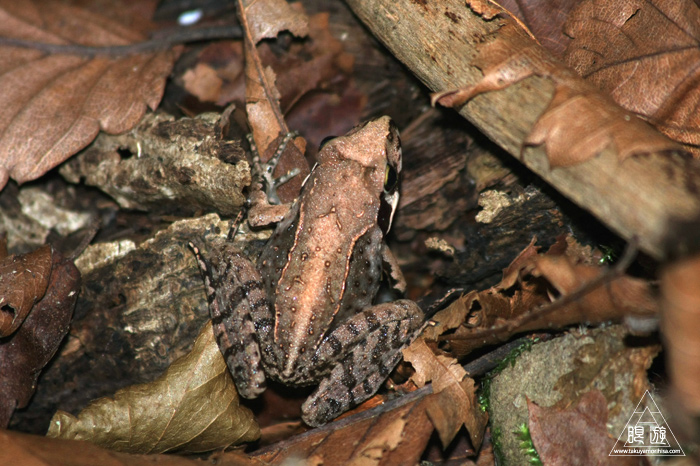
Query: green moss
x=485, y=391
x=526, y=446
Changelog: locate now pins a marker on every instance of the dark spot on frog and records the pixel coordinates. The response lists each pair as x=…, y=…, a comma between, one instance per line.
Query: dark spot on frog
x=264, y=323
x=327, y=264
x=384, y=370
x=352, y=328
x=339, y=250
x=367, y=387
x=333, y=405
x=372, y=322
x=262, y=303
x=335, y=345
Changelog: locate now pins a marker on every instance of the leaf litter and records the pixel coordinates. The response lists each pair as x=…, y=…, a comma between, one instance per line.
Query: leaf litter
x=558, y=272
x=60, y=102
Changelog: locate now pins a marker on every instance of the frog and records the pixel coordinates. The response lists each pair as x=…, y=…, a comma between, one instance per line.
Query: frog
x=303, y=313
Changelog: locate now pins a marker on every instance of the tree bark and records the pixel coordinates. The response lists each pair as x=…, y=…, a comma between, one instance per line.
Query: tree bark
x=651, y=197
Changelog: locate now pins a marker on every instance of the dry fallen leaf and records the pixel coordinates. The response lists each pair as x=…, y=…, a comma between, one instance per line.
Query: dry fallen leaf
x=23, y=282
x=260, y=19
x=396, y=436
x=59, y=103
x=545, y=20
x=579, y=122
x=530, y=282
x=575, y=436
x=453, y=402
x=192, y=407
x=25, y=353
x=22, y=449
x=644, y=54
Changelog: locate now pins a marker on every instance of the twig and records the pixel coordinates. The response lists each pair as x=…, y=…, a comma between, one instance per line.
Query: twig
x=164, y=42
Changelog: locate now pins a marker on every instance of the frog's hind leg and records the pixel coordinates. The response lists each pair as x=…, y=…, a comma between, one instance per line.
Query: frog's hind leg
x=234, y=288
x=361, y=353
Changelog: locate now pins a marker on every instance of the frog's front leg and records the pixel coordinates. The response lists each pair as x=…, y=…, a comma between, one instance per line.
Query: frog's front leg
x=240, y=314
x=362, y=352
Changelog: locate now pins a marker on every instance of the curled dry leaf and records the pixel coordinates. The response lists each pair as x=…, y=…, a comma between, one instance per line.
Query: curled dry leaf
x=261, y=19
x=25, y=353
x=453, y=402
x=644, y=54
x=579, y=122
x=59, y=103
x=503, y=312
x=192, y=407
x=23, y=282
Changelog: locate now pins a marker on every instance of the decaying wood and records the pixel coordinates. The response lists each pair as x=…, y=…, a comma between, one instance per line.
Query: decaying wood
x=652, y=197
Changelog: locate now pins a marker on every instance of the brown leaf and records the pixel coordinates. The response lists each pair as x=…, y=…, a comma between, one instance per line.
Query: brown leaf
x=25, y=353
x=643, y=53
x=457, y=405
x=59, y=103
x=192, y=407
x=262, y=97
x=203, y=82
x=545, y=20
x=579, y=122
x=22, y=449
x=397, y=436
x=267, y=18
x=575, y=436
x=621, y=297
x=23, y=282
x=504, y=311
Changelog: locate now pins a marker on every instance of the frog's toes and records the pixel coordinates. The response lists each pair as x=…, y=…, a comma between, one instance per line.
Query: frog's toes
x=265, y=171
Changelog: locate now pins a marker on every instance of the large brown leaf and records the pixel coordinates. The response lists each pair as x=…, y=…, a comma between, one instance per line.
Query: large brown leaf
x=645, y=54
x=192, y=407
x=54, y=105
x=579, y=122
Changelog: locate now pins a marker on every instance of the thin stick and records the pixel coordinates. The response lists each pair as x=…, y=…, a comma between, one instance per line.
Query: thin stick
x=178, y=36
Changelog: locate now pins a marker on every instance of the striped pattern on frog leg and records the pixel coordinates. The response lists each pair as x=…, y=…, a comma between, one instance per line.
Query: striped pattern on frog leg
x=372, y=342
x=234, y=288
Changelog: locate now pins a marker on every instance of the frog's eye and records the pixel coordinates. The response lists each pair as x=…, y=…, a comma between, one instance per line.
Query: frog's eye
x=391, y=177
x=325, y=141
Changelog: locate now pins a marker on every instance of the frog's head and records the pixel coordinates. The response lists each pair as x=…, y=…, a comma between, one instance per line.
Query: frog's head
x=376, y=146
